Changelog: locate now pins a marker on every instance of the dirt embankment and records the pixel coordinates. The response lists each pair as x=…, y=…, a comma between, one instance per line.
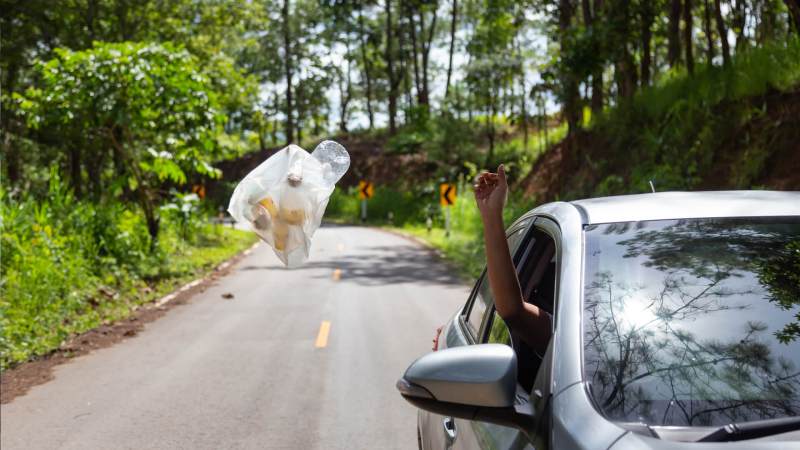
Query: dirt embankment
x=369, y=159
x=761, y=152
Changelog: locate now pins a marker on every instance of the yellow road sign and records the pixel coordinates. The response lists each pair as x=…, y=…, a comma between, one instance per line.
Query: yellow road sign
x=447, y=194
x=365, y=189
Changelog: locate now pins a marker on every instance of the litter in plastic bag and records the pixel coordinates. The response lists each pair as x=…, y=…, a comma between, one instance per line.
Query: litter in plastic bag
x=284, y=198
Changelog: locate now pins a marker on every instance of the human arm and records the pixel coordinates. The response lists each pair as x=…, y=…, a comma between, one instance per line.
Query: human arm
x=528, y=321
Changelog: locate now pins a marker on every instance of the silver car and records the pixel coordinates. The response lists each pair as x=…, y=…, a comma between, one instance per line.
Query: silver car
x=676, y=319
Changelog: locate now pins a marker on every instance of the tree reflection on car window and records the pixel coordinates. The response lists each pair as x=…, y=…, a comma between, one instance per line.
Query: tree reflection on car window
x=693, y=322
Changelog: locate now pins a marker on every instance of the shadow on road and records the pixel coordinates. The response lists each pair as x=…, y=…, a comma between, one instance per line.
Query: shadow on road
x=379, y=265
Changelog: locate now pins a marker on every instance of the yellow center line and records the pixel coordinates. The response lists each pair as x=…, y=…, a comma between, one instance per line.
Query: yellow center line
x=322, y=336
x=337, y=274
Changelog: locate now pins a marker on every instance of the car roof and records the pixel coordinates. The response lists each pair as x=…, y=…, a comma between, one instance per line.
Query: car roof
x=686, y=205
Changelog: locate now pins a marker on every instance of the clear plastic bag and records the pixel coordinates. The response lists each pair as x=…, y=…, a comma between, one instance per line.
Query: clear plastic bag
x=284, y=198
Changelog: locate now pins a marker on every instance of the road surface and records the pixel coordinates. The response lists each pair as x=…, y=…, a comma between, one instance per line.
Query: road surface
x=304, y=358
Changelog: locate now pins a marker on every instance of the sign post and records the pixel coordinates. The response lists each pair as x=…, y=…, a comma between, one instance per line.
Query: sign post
x=447, y=198
x=365, y=191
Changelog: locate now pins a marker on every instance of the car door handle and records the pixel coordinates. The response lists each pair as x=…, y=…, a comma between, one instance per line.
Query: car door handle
x=449, y=429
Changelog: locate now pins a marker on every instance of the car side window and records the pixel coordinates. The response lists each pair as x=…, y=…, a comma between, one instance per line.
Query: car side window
x=483, y=298
x=537, y=275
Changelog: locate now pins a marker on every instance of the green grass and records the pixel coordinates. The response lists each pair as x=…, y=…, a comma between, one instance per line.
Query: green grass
x=463, y=250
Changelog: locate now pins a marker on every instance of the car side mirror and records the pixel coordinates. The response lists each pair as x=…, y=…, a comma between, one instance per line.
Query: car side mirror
x=474, y=382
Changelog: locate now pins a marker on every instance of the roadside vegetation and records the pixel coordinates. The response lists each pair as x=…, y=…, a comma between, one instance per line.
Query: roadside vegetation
x=70, y=265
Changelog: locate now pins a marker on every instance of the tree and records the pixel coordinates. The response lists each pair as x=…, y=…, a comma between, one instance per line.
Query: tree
x=794, y=13
x=647, y=14
x=722, y=31
x=366, y=63
x=688, y=27
x=453, y=23
x=673, y=36
x=493, y=62
x=707, y=30
x=148, y=105
x=288, y=64
x=391, y=75
x=569, y=94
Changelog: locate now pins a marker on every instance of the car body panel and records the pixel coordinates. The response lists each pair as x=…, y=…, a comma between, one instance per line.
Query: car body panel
x=689, y=205
x=634, y=441
x=573, y=411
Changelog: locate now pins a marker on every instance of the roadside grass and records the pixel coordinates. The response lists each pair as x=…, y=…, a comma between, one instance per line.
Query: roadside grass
x=462, y=249
x=70, y=266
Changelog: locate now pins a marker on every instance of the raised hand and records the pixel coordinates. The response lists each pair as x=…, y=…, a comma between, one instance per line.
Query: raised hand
x=491, y=190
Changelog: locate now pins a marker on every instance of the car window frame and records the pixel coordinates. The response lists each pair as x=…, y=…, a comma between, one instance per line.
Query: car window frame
x=540, y=398
x=550, y=228
x=525, y=223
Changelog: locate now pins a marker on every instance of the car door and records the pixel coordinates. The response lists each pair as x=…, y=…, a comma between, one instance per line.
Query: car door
x=536, y=260
x=439, y=432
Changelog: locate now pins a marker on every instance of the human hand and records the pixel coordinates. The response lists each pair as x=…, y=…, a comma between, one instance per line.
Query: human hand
x=491, y=190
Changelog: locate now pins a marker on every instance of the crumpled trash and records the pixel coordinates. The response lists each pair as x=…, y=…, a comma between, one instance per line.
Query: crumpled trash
x=284, y=198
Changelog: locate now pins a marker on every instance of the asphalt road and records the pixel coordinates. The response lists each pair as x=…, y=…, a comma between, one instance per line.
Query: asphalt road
x=257, y=371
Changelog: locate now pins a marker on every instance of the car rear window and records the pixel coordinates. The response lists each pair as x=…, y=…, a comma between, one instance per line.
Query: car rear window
x=693, y=322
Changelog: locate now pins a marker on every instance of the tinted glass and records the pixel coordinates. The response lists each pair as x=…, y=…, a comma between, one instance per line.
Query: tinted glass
x=483, y=296
x=693, y=322
x=498, y=333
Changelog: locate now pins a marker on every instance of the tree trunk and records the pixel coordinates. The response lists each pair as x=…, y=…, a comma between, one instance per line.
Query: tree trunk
x=648, y=15
x=587, y=13
x=345, y=94
x=708, y=32
x=453, y=21
x=766, y=26
x=524, y=95
x=301, y=113
x=673, y=34
x=490, y=125
x=75, y=178
x=390, y=75
x=367, y=69
x=91, y=16
x=10, y=152
x=125, y=164
x=723, y=34
x=739, y=9
x=287, y=66
x=625, y=66
x=794, y=12
x=597, y=75
x=426, y=51
x=412, y=31
x=405, y=78
x=568, y=82
x=150, y=216
x=687, y=35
